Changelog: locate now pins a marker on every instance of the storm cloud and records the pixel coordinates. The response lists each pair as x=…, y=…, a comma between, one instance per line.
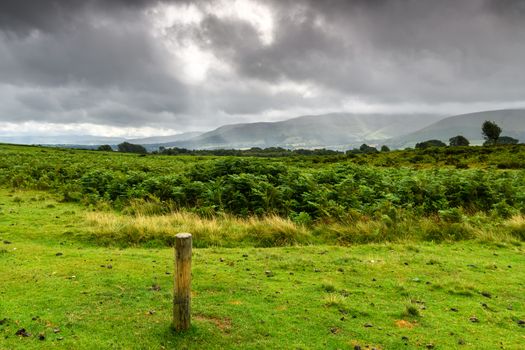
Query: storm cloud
x=186, y=65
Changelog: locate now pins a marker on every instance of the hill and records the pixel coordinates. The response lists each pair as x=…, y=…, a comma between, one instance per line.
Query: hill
x=165, y=139
x=92, y=141
x=67, y=140
x=154, y=142
x=335, y=131
x=512, y=121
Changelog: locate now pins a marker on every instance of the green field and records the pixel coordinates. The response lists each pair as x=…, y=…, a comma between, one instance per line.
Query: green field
x=358, y=258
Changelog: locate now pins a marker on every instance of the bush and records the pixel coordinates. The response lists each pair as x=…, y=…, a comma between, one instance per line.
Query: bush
x=105, y=148
x=459, y=141
x=430, y=143
x=127, y=147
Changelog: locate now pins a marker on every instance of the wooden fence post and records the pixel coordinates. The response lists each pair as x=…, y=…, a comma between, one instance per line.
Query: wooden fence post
x=182, y=292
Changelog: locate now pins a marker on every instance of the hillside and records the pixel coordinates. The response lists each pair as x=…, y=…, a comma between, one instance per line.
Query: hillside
x=165, y=139
x=86, y=140
x=154, y=142
x=512, y=121
x=92, y=141
x=336, y=131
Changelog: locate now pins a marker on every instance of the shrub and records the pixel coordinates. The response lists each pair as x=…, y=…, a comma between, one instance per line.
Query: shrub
x=430, y=143
x=458, y=141
x=127, y=147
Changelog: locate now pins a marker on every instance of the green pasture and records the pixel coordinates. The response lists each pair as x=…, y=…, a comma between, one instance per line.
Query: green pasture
x=67, y=292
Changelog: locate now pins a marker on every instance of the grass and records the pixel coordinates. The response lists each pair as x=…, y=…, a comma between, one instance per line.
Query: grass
x=408, y=295
x=111, y=228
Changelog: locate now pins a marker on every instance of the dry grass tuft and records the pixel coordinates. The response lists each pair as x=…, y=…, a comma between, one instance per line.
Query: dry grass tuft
x=516, y=226
x=334, y=299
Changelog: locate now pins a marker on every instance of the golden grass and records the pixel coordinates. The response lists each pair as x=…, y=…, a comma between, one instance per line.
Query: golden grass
x=334, y=299
x=516, y=222
x=516, y=226
x=270, y=231
x=222, y=230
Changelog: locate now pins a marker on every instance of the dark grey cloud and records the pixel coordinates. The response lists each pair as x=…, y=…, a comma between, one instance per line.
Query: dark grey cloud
x=104, y=61
x=430, y=51
x=22, y=16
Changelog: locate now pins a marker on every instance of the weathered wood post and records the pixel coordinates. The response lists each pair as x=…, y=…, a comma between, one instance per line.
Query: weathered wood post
x=182, y=293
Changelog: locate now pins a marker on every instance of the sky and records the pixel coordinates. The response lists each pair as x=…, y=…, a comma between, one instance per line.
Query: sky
x=134, y=68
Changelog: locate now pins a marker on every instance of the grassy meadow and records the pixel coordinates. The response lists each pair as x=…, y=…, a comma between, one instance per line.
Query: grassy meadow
x=296, y=252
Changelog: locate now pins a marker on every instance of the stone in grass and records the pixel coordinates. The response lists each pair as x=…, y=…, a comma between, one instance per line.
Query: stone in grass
x=474, y=319
x=486, y=294
x=368, y=325
x=430, y=346
x=22, y=332
x=521, y=322
x=269, y=273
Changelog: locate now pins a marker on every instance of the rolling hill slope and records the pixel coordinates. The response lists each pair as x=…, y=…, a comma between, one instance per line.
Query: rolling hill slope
x=336, y=131
x=165, y=139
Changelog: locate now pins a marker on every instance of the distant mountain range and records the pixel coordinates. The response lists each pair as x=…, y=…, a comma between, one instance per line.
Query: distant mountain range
x=61, y=140
x=165, y=139
x=511, y=121
x=339, y=131
x=335, y=131
x=93, y=140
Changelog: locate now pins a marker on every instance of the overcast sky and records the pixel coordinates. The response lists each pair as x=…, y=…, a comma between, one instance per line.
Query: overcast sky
x=138, y=67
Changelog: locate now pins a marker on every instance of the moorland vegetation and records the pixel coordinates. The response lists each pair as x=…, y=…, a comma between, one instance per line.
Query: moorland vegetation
x=435, y=193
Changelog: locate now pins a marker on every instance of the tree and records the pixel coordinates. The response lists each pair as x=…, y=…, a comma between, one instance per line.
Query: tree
x=367, y=149
x=507, y=140
x=131, y=148
x=459, y=141
x=490, y=131
x=105, y=148
x=430, y=143
x=385, y=148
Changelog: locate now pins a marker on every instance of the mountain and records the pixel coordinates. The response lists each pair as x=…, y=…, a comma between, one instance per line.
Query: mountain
x=91, y=141
x=512, y=121
x=165, y=139
x=61, y=139
x=335, y=131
